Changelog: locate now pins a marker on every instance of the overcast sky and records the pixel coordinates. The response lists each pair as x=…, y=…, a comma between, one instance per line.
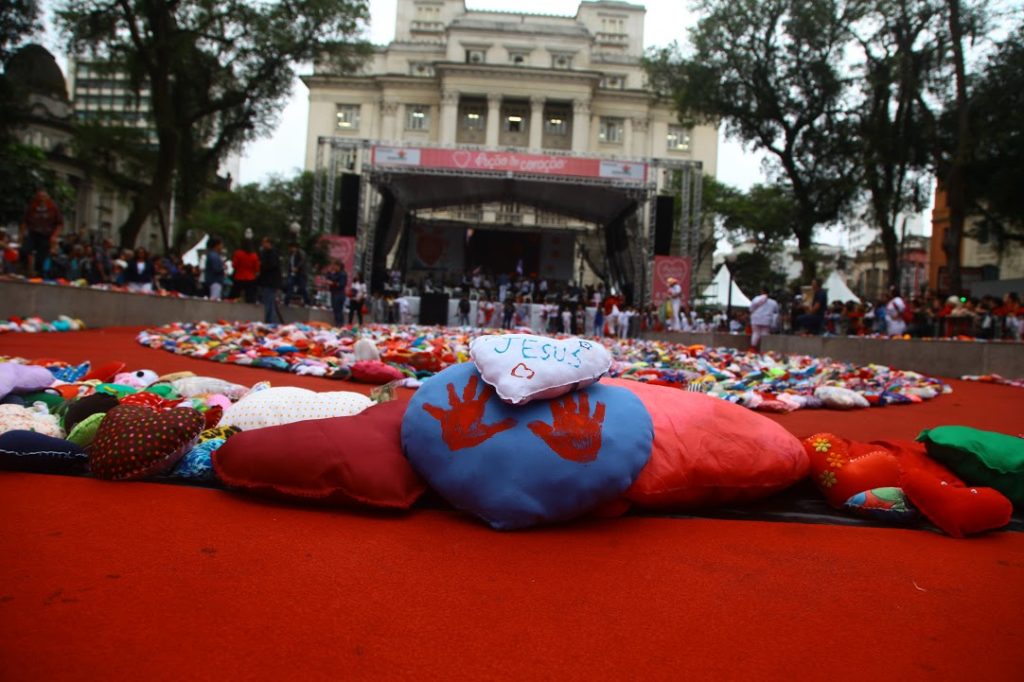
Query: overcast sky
x=666, y=20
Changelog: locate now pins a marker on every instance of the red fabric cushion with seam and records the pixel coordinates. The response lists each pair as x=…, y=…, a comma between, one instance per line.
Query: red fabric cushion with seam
x=344, y=461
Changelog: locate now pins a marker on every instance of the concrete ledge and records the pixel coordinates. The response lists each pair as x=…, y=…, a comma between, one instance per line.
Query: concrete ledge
x=935, y=358
x=99, y=308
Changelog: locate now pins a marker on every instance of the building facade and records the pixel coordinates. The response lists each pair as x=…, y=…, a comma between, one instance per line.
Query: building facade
x=565, y=84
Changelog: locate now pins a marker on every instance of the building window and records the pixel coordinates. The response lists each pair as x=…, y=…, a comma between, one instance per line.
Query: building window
x=348, y=117
x=611, y=130
x=613, y=25
x=417, y=117
x=555, y=124
x=561, y=61
x=678, y=139
x=518, y=57
x=475, y=56
x=473, y=118
x=515, y=121
x=421, y=69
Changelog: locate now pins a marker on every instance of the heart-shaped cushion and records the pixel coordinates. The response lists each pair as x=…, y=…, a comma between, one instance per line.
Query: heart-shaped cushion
x=32, y=451
x=517, y=466
x=16, y=378
x=197, y=466
x=105, y=372
x=980, y=457
x=958, y=510
x=840, y=469
x=150, y=400
x=192, y=386
x=708, y=451
x=889, y=504
x=375, y=372
x=839, y=398
x=345, y=461
x=286, y=404
x=85, y=431
x=218, y=432
x=34, y=418
x=135, y=442
x=525, y=367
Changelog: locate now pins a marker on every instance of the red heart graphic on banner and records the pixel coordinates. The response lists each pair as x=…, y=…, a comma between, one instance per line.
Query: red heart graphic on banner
x=462, y=158
x=675, y=266
x=429, y=247
x=527, y=372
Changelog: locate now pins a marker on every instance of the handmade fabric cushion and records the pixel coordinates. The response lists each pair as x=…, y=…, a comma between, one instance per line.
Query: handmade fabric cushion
x=71, y=373
x=33, y=418
x=284, y=405
x=980, y=457
x=52, y=399
x=375, y=372
x=517, y=466
x=15, y=378
x=365, y=349
x=135, y=442
x=32, y=451
x=958, y=510
x=150, y=400
x=196, y=466
x=77, y=410
x=218, y=432
x=354, y=460
x=192, y=386
x=105, y=372
x=525, y=367
x=889, y=504
x=137, y=379
x=840, y=398
x=709, y=451
x=85, y=431
x=841, y=469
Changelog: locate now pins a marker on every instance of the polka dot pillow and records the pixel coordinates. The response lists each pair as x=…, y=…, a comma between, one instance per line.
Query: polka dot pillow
x=286, y=404
x=136, y=442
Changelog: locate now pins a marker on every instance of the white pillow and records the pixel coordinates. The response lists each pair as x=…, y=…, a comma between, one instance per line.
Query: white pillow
x=286, y=404
x=840, y=398
x=525, y=367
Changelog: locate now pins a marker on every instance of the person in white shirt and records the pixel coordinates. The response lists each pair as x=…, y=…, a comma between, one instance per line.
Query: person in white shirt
x=763, y=311
x=894, y=310
x=675, y=297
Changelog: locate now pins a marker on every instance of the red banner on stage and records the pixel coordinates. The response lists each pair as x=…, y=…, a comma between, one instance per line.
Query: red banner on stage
x=665, y=267
x=343, y=249
x=473, y=160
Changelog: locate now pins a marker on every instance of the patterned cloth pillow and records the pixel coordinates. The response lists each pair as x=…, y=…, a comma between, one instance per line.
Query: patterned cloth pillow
x=32, y=451
x=36, y=418
x=197, y=466
x=525, y=367
x=979, y=457
x=341, y=461
x=77, y=410
x=85, y=431
x=889, y=504
x=135, y=442
x=284, y=405
x=517, y=466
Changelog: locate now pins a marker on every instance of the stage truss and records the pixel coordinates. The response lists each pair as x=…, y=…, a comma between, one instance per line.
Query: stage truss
x=335, y=155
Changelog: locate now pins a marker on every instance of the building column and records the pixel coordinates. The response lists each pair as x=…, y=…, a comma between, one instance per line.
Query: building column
x=581, y=125
x=449, y=116
x=627, y=136
x=641, y=142
x=388, y=113
x=493, y=120
x=536, y=122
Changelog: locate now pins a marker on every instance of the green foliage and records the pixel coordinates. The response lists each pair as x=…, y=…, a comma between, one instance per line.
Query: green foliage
x=18, y=20
x=21, y=173
x=755, y=269
x=218, y=73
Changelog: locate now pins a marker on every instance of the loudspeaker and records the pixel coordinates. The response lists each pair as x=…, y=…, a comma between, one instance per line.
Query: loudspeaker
x=348, y=206
x=663, y=224
x=434, y=309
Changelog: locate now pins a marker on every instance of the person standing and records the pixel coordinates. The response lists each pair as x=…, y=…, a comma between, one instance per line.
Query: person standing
x=895, y=324
x=39, y=231
x=140, y=273
x=338, y=282
x=813, y=320
x=214, y=269
x=356, y=299
x=464, y=308
x=269, y=280
x=764, y=310
x=296, y=282
x=675, y=297
x=246, y=263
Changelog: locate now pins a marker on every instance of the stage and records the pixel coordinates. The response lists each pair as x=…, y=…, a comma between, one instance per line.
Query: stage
x=125, y=581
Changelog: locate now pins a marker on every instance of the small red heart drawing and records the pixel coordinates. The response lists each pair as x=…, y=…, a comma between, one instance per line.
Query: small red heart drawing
x=527, y=372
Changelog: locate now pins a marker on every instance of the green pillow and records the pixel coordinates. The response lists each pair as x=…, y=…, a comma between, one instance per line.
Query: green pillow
x=51, y=399
x=85, y=431
x=980, y=457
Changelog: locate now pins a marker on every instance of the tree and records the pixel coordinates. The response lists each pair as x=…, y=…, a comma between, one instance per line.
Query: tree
x=18, y=20
x=764, y=214
x=770, y=70
x=217, y=72
x=902, y=62
x=997, y=127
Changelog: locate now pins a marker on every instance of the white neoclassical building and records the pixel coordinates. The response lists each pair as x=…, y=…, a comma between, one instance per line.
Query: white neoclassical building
x=512, y=82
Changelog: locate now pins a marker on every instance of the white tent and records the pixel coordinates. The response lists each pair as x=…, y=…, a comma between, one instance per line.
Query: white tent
x=197, y=254
x=837, y=289
x=717, y=293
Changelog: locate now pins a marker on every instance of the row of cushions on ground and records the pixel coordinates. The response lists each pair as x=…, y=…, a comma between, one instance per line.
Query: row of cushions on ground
x=894, y=481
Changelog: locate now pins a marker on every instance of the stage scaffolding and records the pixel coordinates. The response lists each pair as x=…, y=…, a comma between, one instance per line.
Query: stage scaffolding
x=336, y=155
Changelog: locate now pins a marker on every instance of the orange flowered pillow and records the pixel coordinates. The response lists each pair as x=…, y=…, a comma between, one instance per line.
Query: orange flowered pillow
x=842, y=469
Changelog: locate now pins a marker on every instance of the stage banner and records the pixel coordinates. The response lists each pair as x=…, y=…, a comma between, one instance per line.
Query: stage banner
x=556, y=256
x=670, y=266
x=342, y=249
x=472, y=160
x=437, y=248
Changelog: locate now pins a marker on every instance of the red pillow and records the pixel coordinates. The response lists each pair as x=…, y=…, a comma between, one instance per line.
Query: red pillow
x=375, y=372
x=841, y=469
x=709, y=451
x=958, y=510
x=348, y=461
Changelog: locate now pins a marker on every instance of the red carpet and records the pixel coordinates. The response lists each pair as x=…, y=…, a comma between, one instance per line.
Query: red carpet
x=149, y=581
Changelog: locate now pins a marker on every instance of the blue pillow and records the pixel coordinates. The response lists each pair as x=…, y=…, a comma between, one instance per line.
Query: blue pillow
x=196, y=466
x=889, y=504
x=549, y=460
x=31, y=451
